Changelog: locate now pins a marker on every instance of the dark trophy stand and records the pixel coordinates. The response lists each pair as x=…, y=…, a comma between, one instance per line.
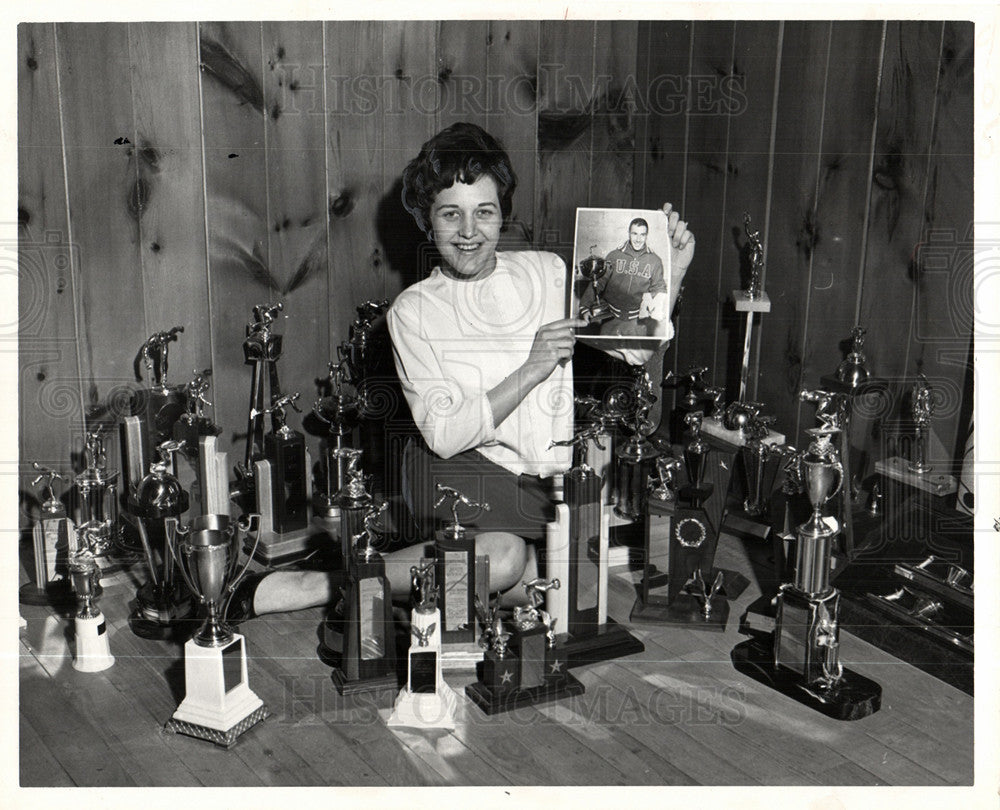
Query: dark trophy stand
x=368, y=662
x=801, y=657
x=455, y=572
x=525, y=666
x=577, y=555
x=53, y=541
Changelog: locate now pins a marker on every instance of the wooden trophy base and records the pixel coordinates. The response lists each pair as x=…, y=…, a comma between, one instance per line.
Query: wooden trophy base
x=379, y=683
x=218, y=704
x=685, y=611
x=607, y=641
x=492, y=703
x=853, y=697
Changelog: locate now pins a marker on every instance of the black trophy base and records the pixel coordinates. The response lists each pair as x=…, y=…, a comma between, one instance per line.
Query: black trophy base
x=173, y=618
x=685, y=611
x=347, y=686
x=611, y=640
x=496, y=703
x=225, y=739
x=853, y=697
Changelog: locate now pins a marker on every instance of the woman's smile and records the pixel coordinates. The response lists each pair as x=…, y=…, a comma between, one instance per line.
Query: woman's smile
x=466, y=221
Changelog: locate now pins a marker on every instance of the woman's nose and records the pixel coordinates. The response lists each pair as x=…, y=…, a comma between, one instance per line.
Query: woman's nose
x=468, y=225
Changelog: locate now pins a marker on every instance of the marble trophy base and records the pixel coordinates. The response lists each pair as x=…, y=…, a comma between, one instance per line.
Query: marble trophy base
x=426, y=701
x=218, y=703
x=851, y=698
x=685, y=611
x=93, y=653
x=425, y=710
x=899, y=470
x=715, y=429
x=607, y=641
x=493, y=703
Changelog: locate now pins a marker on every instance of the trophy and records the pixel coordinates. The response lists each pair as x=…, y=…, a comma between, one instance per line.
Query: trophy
x=803, y=658
x=922, y=411
x=426, y=701
x=98, y=488
x=162, y=603
x=527, y=665
x=752, y=299
x=577, y=555
x=353, y=499
x=341, y=411
x=93, y=653
x=854, y=369
x=368, y=662
x=756, y=454
x=218, y=703
x=455, y=558
x=160, y=405
x=593, y=269
x=193, y=424
x=637, y=454
x=54, y=541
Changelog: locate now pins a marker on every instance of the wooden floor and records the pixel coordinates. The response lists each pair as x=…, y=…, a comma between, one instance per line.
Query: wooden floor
x=678, y=714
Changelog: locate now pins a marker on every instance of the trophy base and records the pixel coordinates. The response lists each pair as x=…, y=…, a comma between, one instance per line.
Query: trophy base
x=163, y=619
x=496, y=703
x=685, y=611
x=900, y=470
x=93, y=653
x=611, y=640
x=737, y=438
x=425, y=710
x=57, y=594
x=226, y=738
x=346, y=686
x=275, y=549
x=853, y=697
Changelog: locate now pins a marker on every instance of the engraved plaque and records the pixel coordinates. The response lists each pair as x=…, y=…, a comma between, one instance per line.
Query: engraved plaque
x=456, y=590
x=370, y=598
x=232, y=665
x=423, y=672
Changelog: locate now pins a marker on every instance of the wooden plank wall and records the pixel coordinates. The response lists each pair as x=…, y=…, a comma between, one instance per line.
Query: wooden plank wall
x=187, y=171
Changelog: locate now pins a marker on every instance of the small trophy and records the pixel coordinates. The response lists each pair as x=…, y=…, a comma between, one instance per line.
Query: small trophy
x=162, y=603
x=922, y=410
x=93, y=652
x=455, y=556
x=803, y=659
x=695, y=390
x=368, y=662
x=193, y=424
x=218, y=703
x=426, y=701
x=854, y=369
x=98, y=488
x=593, y=269
x=54, y=540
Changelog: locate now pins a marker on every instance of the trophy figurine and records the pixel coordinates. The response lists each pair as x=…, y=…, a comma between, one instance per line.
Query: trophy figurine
x=53, y=541
x=854, y=369
x=93, y=653
x=160, y=405
x=803, y=657
x=368, y=661
x=218, y=703
x=193, y=424
x=353, y=499
x=162, y=603
x=593, y=269
x=455, y=556
x=426, y=701
x=922, y=410
x=752, y=299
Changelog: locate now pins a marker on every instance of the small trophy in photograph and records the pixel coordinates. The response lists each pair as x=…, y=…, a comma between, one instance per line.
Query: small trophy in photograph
x=53, y=540
x=368, y=661
x=218, y=703
x=92, y=653
x=425, y=701
x=620, y=277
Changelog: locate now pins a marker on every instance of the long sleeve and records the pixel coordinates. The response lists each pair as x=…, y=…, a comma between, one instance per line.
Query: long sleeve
x=451, y=420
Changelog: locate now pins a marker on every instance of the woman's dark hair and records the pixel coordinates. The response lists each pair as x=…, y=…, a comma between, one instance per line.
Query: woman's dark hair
x=461, y=153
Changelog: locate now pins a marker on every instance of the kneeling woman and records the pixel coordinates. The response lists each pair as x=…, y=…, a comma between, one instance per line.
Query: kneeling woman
x=483, y=354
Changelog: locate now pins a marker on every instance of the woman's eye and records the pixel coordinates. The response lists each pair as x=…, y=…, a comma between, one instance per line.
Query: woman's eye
x=448, y=215
x=486, y=213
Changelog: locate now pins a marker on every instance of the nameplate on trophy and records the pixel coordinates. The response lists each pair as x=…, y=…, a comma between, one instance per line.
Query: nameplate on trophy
x=531, y=645
x=372, y=630
x=455, y=588
x=423, y=672
x=232, y=665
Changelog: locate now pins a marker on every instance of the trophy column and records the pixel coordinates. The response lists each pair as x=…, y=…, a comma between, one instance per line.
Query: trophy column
x=53, y=541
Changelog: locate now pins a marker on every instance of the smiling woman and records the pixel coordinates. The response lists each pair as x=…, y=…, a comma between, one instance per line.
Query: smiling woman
x=465, y=222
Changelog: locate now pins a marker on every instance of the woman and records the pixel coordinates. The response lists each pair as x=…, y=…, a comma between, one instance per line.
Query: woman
x=483, y=356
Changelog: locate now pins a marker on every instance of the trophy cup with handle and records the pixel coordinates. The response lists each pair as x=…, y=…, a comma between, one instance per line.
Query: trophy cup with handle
x=803, y=658
x=593, y=269
x=93, y=652
x=218, y=703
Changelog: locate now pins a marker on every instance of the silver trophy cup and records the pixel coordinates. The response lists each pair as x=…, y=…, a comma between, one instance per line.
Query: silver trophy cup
x=208, y=558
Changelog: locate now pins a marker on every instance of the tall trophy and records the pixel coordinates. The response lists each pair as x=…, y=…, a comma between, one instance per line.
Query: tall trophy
x=576, y=551
x=93, y=652
x=455, y=558
x=803, y=658
x=922, y=411
x=53, y=540
x=635, y=457
x=162, y=603
x=218, y=703
x=752, y=299
x=425, y=701
x=526, y=665
x=368, y=661
x=98, y=488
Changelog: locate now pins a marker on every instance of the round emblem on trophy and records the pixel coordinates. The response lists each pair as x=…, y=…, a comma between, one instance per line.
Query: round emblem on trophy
x=690, y=532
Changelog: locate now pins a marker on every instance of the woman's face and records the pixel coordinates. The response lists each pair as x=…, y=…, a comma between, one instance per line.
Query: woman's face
x=466, y=222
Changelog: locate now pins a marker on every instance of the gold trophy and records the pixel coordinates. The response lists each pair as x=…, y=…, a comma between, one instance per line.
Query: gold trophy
x=803, y=657
x=93, y=653
x=218, y=703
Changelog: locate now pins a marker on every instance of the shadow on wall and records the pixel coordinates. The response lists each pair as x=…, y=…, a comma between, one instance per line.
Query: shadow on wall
x=408, y=253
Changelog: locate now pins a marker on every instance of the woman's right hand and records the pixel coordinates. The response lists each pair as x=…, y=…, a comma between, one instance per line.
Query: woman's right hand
x=552, y=346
